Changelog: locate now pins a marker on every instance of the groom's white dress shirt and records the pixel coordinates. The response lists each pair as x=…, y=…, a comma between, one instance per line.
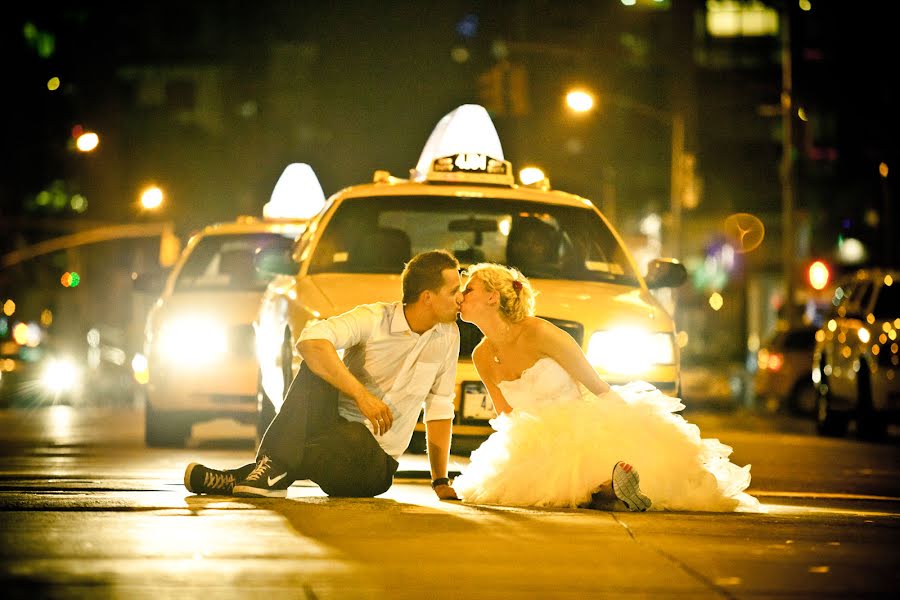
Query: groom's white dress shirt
x=396, y=364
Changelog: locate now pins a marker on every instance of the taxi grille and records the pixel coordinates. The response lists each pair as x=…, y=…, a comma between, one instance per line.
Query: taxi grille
x=469, y=335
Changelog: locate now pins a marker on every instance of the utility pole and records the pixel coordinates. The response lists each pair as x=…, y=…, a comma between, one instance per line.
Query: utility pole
x=787, y=169
x=677, y=182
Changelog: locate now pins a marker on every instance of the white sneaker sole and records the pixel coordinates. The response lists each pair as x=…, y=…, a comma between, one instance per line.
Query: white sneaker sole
x=626, y=487
x=247, y=491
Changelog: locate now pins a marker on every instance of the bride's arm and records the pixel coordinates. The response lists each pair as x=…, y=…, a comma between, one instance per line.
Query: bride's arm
x=559, y=345
x=481, y=360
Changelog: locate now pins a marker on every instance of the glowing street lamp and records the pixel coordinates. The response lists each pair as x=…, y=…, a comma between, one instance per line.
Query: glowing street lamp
x=87, y=141
x=580, y=101
x=152, y=197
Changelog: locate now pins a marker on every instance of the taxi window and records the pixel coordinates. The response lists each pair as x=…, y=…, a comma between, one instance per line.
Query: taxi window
x=887, y=307
x=861, y=297
x=379, y=234
x=225, y=262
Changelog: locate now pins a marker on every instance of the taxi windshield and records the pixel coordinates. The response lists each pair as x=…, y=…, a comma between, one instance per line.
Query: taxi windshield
x=226, y=263
x=379, y=234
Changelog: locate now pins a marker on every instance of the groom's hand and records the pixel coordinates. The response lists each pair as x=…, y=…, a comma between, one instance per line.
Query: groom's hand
x=377, y=412
x=445, y=492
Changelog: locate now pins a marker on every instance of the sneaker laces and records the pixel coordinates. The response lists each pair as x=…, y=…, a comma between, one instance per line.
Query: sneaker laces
x=217, y=480
x=260, y=468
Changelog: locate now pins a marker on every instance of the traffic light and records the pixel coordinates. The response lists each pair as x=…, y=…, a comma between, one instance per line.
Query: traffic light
x=519, y=104
x=818, y=275
x=491, y=90
x=70, y=279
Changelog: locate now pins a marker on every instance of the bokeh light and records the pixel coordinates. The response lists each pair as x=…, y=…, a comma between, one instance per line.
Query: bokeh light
x=529, y=175
x=87, y=141
x=53, y=84
x=744, y=231
x=152, y=197
x=819, y=275
x=580, y=101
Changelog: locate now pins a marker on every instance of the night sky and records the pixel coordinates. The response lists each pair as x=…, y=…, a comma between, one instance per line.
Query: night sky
x=367, y=81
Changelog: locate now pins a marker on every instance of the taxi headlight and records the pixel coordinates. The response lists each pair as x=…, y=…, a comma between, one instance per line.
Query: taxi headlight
x=192, y=341
x=629, y=351
x=60, y=375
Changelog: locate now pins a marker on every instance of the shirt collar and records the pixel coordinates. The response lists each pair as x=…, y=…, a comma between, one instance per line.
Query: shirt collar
x=398, y=322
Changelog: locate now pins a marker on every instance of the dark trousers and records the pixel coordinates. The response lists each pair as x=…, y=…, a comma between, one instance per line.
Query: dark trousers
x=313, y=442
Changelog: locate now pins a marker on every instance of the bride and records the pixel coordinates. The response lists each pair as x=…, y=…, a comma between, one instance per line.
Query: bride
x=562, y=433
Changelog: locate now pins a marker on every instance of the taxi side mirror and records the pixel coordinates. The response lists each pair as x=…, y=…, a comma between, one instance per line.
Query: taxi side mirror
x=276, y=260
x=665, y=272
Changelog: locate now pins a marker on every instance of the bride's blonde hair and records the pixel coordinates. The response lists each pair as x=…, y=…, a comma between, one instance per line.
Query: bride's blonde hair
x=516, y=293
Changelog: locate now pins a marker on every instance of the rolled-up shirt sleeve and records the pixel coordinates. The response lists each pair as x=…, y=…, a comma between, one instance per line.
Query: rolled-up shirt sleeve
x=344, y=330
x=439, y=401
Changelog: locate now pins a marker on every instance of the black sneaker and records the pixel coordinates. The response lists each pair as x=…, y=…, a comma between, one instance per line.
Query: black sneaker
x=626, y=486
x=203, y=480
x=266, y=480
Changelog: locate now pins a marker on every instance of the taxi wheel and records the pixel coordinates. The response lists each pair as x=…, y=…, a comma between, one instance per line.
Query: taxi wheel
x=164, y=431
x=829, y=422
x=868, y=425
x=803, y=398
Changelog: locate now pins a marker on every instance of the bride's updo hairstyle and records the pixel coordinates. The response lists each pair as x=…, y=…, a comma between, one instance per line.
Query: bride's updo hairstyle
x=516, y=293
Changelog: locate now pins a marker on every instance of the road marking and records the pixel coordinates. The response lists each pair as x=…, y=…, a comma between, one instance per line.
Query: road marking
x=822, y=495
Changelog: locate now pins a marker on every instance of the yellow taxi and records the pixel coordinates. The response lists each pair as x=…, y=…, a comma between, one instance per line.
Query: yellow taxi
x=856, y=362
x=462, y=196
x=198, y=361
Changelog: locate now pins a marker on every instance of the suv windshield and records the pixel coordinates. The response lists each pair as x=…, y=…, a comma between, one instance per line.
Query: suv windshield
x=379, y=234
x=226, y=262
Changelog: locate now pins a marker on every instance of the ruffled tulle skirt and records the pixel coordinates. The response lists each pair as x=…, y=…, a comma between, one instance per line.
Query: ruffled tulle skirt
x=557, y=454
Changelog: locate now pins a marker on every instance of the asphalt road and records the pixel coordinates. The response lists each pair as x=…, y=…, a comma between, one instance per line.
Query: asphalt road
x=88, y=512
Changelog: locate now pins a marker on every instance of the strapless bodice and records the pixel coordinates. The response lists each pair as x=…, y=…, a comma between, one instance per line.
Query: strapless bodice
x=543, y=383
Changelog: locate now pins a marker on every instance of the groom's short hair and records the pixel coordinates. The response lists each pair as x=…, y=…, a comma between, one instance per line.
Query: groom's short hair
x=425, y=271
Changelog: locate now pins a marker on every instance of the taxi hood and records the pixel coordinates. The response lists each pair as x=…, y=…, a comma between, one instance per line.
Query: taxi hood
x=230, y=308
x=599, y=304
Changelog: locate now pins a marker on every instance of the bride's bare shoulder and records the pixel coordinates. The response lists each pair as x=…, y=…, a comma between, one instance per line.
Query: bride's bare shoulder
x=537, y=326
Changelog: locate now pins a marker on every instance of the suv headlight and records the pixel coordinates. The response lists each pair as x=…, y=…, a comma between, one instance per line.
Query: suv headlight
x=630, y=350
x=192, y=341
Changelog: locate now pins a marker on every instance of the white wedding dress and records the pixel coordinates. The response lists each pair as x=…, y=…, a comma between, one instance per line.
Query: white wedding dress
x=560, y=442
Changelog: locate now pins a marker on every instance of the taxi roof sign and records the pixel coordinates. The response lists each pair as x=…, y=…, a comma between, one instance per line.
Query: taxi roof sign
x=297, y=194
x=465, y=131
x=471, y=167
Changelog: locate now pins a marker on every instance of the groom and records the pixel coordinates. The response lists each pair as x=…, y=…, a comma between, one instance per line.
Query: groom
x=344, y=423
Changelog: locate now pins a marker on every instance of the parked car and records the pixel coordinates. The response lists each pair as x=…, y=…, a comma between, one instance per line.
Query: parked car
x=782, y=378
x=856, y=363
x=199, y=361
x=467, y=201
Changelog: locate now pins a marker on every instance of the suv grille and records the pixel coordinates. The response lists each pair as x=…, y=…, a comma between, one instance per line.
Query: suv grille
x=469, y=335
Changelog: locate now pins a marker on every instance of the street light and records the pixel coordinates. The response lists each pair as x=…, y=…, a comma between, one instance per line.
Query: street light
x=152, y=197
x=87, y=141
x=672, y=119
x=580, y=101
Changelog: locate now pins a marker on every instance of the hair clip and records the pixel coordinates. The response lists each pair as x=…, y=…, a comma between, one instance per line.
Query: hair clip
x=517, y=285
